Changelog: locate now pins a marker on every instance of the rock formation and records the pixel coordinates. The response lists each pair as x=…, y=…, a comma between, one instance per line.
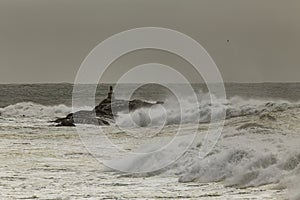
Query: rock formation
x=104, y=112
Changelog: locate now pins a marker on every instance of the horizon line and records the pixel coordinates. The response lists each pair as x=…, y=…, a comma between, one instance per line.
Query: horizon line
x=225, y=82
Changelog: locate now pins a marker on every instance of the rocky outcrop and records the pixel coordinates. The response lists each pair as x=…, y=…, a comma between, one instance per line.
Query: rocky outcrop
x=104, y=112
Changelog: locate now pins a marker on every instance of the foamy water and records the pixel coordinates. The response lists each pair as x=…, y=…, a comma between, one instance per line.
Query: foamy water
x=256, y=157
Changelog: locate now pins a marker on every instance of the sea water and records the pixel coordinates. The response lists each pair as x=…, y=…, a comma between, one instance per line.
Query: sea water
x=256, y=157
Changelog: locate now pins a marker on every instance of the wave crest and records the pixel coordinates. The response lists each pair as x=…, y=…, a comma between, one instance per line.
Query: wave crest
x=30, y=109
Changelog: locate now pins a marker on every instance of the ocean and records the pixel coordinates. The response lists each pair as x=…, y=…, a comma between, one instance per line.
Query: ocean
x=256, y=157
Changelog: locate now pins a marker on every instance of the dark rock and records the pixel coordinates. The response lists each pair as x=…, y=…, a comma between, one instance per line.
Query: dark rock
x=104, y=112
x=66, y=122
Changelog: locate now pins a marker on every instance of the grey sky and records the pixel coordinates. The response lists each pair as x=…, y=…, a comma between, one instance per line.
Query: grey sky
x=46, y=40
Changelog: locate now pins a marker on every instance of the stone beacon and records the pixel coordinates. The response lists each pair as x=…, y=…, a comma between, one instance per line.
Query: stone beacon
x=105, y=112
x=110, y=94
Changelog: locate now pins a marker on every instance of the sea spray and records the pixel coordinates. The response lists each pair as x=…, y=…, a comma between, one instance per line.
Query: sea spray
x=259, y=146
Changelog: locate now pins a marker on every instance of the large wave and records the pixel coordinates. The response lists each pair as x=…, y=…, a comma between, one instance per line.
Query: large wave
x=259, y=146
x=191, y=112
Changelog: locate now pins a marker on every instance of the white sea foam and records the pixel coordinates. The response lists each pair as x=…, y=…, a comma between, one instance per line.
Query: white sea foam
x=194, y=112
x=188, y=112
x=30, y=109
x=260, y=145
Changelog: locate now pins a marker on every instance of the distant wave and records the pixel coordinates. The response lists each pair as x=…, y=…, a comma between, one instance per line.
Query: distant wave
x=30, y=109
x=189, y=113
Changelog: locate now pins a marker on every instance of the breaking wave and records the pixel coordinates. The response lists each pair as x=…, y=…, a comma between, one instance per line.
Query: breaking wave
x=30, y=109
x=170, y=113
x=192, y=112
x=259, y=146
x=234, y=167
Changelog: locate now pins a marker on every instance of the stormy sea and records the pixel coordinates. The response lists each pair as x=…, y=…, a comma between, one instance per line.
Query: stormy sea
x=256, y=157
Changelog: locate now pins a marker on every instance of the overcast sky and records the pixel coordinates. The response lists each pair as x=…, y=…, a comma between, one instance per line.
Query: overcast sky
x=46, y=40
